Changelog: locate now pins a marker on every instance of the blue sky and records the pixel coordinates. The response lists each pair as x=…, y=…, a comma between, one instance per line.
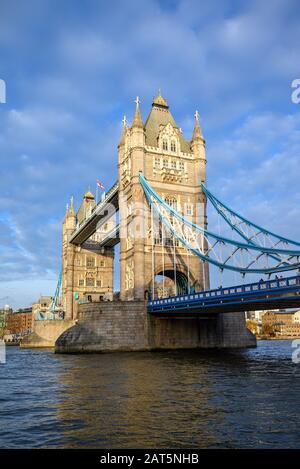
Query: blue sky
x=72, y=69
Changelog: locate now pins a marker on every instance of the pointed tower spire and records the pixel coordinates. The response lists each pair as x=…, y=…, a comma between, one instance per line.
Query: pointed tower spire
x=125, y=127
x=197, y=134
x=72, y=205
x=137, y=120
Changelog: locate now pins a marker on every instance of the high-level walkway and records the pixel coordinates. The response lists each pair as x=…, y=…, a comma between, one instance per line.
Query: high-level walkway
x=99, y=215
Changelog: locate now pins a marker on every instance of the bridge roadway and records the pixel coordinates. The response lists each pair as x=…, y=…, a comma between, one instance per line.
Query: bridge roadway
x=271, y=294
x=99, y=215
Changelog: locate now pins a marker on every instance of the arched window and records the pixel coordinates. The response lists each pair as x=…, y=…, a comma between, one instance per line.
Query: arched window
x=173, y=145
x=165, y=144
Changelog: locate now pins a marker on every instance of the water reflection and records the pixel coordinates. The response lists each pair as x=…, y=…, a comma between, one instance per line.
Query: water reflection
x=163, y=399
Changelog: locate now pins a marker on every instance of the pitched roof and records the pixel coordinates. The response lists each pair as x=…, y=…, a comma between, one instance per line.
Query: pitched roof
x=160, y=115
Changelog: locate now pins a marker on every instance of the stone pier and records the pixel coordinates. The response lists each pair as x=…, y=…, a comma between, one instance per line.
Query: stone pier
x=45, y=333
x=126, y=326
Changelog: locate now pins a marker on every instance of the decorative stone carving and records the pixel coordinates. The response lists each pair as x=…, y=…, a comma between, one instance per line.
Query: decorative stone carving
x=129, y=275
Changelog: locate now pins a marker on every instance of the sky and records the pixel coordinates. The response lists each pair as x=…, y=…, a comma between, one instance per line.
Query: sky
x=72, y=70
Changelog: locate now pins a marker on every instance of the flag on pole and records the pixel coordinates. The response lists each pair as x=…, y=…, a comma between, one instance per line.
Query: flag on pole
x=99, y=184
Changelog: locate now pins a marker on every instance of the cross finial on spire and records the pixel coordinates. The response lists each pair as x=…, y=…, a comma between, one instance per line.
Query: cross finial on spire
x=124, y=121
x=159, y=91
x=197, y=134
x=137, y=120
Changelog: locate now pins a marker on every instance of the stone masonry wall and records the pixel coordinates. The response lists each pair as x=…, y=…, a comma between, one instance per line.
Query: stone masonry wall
x=45, y=333
x=107, y=326
x=126, y=326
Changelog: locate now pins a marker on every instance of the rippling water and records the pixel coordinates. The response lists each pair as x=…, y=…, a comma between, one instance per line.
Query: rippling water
x=204, y=399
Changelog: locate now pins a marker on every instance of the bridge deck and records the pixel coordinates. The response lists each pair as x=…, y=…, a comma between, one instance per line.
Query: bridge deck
x=271, y=294
x=111, y=239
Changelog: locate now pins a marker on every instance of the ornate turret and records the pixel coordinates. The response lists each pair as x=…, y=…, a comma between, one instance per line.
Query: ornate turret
x=137, y=120
x=160, y=117
x=86, y=205
x=70, y=217
x=89, y=196
x=197, y=134
x=71, y=209
x=159, y=101
x=125, y=128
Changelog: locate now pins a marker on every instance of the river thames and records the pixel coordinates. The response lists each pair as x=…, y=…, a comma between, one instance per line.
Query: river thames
x=195, y=399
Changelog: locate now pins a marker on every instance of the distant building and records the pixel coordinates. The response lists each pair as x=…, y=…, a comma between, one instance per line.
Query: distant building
x=41, y=306
x=281, y=323
x=19, y=322
x=256, y=315
x=164, y=288
x=3, y=317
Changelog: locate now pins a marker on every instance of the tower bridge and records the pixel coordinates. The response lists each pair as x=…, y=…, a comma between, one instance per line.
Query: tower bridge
x=166, y=248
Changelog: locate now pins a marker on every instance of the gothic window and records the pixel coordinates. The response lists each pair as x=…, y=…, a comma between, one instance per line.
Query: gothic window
x=90, y=282
x=171, y=201
x=90, y=262
x=101, y=263
x=173, y=145
x=81, y=282
x=188, y=209
x=165, y=163
x=99, y=283
x=157, y=162
x=173, y=164
x=165, y=144
x=181, y=165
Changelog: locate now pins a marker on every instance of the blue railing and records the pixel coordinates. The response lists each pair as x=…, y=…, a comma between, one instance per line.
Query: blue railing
x=217, y=296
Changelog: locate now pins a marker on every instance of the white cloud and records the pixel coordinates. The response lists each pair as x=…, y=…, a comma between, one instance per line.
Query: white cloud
x=233, y=61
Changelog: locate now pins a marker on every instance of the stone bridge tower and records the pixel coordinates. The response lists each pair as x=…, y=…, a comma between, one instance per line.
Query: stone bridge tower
x=175, y=168
x=87, y=271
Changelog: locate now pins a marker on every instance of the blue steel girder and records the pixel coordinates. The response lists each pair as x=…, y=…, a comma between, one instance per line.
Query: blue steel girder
x=236, y=221
x=54, y=302
x=203, y=243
